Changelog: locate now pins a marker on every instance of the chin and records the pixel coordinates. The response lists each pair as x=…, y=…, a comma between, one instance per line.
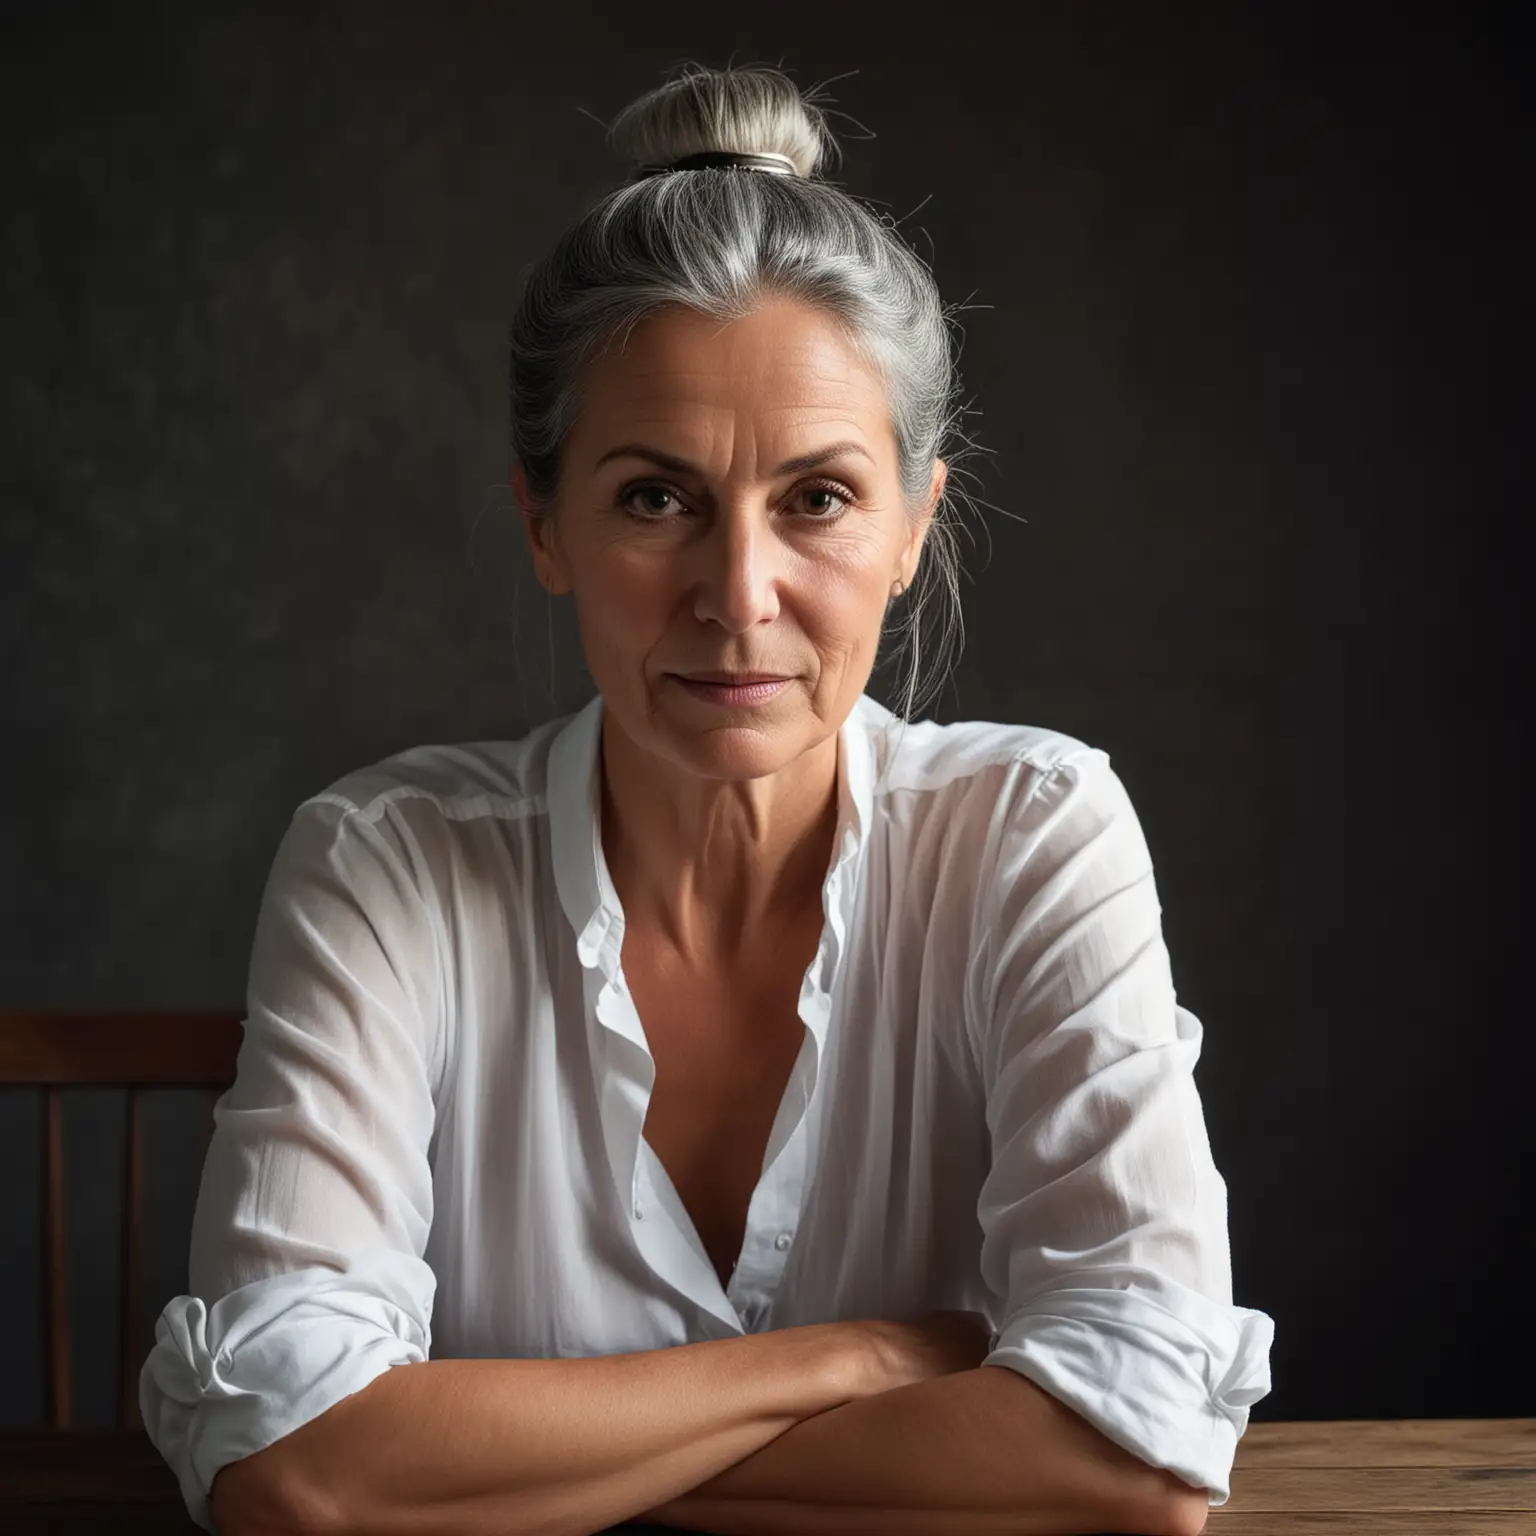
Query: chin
x=750, y=746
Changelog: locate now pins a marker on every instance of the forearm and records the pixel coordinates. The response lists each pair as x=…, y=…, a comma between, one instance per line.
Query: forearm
x=983, y=1452
x=462, y=1447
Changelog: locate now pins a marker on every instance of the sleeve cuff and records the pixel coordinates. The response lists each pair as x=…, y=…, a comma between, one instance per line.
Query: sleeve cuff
x=1170, y=1381
x=224, y=1382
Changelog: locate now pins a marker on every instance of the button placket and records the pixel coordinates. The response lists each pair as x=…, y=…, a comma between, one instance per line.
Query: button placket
x=771, y=1221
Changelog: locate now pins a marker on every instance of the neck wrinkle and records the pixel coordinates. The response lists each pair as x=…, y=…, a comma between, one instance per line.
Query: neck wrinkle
x=751, y=924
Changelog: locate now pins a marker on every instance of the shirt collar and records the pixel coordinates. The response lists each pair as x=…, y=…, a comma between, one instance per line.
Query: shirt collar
x=586, y=892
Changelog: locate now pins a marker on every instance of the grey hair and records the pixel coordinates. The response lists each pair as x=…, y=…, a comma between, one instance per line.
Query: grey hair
x=720, y=241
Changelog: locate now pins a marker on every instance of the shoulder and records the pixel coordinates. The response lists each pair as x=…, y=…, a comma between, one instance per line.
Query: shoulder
x=428, y=809
x=450, y=782
x=978, y=759
x=997, y=799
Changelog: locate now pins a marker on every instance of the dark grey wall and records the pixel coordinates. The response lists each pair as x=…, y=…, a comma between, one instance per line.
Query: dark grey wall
x=1245, y=282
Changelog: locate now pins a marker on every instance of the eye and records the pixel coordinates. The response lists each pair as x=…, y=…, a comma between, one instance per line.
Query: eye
x=630, y=494
x=830, y=488
x=649, y=488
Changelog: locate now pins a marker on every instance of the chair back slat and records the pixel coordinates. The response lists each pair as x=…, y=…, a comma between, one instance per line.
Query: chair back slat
x=131, y=1270
x=58, y=1396
x=133, y=1050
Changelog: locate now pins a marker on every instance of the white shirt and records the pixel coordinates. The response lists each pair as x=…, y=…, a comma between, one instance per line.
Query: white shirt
x=432, y=1147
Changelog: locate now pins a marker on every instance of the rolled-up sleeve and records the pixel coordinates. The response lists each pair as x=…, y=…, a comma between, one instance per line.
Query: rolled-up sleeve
x=1104, y=1217
x=306, y=1272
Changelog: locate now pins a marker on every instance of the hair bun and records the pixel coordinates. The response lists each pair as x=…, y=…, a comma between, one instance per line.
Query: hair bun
x=750, y=110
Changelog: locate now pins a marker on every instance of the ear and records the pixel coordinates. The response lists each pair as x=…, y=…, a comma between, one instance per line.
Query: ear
x=913, y=550
x=539, y=529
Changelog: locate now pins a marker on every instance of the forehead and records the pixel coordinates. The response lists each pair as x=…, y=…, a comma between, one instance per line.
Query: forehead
x=784, y=365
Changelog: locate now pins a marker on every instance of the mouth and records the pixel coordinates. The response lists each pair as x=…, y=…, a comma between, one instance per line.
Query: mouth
x=742, y=689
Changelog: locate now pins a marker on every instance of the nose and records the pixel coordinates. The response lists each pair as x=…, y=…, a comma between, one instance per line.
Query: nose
x=740, y=564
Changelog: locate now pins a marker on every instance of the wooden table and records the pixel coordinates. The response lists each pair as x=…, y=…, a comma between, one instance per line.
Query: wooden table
x=1400, y=1477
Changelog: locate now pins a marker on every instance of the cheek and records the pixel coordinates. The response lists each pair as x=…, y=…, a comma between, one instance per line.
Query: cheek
x=842, y=614
x=626, y=603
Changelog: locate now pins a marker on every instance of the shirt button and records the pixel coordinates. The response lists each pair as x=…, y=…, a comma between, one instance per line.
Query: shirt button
x=782, y=1241
x=639, y=1212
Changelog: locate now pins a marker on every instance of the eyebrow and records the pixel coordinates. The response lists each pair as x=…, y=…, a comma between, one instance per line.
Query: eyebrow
x=683, y=467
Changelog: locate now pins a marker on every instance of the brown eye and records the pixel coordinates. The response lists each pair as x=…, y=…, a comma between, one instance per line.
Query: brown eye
x=646, y=513
x=829, y=488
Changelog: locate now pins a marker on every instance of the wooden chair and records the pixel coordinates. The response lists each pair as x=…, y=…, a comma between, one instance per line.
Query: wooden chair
x=133, y=1050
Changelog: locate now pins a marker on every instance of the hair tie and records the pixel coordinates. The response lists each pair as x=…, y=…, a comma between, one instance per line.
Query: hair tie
x=708, y=159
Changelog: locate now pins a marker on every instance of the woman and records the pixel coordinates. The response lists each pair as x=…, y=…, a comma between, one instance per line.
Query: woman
x=735, y=1105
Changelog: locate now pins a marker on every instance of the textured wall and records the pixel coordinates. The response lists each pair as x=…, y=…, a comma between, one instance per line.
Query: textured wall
x=1242, y=293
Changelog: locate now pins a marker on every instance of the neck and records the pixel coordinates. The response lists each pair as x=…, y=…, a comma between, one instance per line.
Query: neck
x=720, y=870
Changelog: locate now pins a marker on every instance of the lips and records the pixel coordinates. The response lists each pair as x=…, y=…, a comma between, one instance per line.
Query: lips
x=733, y=679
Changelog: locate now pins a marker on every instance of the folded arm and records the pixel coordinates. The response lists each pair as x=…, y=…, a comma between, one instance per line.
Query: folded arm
x=984, y=1452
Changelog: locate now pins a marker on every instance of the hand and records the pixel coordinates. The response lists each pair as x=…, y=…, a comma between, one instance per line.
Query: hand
x=903, y=1354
